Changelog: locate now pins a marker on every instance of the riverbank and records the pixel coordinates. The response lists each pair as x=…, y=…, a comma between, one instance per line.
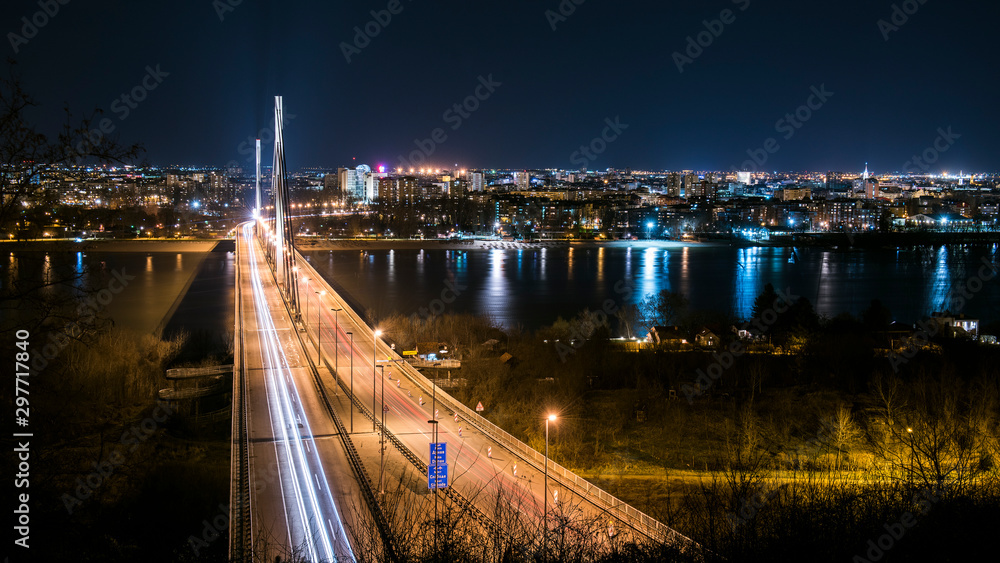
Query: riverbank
x=444, y=244
x=92, y=245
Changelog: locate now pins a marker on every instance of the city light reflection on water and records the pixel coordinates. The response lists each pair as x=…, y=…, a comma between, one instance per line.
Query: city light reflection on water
x=532, y=286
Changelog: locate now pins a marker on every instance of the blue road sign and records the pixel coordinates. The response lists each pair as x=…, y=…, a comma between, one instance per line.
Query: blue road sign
x=439, y=453
x=437, y=476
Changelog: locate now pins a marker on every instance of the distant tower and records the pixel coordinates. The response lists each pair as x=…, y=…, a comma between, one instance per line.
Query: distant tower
x=256, y=210
x=871, y=191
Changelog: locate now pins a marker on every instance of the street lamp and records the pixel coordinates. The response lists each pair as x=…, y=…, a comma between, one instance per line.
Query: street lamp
x=306, y=281
x=375, y=334
x=351, y=334
x=319, y=328
x=381, y=437
x=336, y=341
x=545, y=491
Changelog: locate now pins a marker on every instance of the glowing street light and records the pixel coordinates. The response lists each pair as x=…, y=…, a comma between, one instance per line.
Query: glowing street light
x=375, y=334
x=545, y=491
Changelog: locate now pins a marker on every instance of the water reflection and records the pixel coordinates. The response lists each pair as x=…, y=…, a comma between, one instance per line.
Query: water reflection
x=937, y=290
x=533, y=287
x=685, y=282
x=391, y=273
x=649, y=282
x=746, y=281
x=494, y=299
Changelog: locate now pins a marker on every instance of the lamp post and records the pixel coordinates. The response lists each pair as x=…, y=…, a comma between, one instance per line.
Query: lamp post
x=336, y=341
x=351, y=334
x=545, y=491
x=375, y=334
x=306, y=281
x=381, y=436
x=319, y=327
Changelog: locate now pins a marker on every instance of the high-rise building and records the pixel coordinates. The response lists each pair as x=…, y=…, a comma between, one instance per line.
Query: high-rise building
x=331, y=183
x=370, y=180
x=870, y=187
x=352, y=183
x=690, y=179
x=477, y=181
x=522, y=180
x=743, y=178
x=674, y=185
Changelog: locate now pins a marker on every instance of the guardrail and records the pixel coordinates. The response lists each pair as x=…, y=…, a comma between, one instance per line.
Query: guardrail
x=240, y=523
x=631, y=516
x=414, y=459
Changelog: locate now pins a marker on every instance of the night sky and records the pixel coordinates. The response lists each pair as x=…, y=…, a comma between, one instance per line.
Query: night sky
x=607, y=59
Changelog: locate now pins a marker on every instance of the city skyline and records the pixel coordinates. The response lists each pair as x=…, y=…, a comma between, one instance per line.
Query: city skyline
x=542, y=85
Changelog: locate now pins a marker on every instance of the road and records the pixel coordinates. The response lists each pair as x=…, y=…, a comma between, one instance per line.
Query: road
x=303, y=493
x=478, y=467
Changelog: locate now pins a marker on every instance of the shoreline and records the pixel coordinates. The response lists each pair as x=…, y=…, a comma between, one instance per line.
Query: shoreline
x=92, y=245
x=431, y=244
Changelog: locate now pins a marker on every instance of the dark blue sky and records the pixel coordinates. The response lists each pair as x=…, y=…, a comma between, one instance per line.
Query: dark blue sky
x=608, y=59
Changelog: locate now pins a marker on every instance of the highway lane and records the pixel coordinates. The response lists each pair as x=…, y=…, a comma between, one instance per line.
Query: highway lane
x=303, y=490
x=471, y=469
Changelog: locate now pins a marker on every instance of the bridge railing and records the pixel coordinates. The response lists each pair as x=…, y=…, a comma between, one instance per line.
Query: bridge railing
x=240, y=529
x=624, y=512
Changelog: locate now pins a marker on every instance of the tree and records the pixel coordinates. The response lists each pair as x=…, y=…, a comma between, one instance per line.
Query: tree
x=935, y=431
x=26, y=154
x=844, y=430
x=763, y=303
x=666, y=308
x=877, y=316
x=629, y=320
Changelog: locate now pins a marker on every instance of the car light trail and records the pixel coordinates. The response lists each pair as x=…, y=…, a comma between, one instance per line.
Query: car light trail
x=302, y=477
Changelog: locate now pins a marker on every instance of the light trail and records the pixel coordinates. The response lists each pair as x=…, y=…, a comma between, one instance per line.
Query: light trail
x=301, y=474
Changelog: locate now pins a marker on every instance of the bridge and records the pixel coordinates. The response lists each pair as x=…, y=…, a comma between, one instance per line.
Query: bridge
x=326, y=416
